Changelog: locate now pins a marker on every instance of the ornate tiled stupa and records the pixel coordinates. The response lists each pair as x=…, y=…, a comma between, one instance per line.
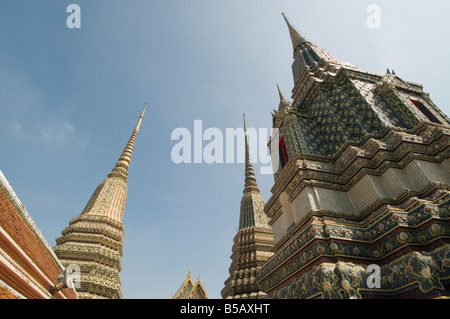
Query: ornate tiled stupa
x=252, y=243
x=94, y=240
x=360, y=204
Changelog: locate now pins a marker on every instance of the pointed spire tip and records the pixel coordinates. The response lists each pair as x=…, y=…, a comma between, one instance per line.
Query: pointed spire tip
x=250, y=180
x=279, y=93
x=145, y=107
x=122, y=165
x=295, y=35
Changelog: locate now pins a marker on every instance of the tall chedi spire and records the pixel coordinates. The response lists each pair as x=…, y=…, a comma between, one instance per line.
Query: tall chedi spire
x=93, y=241
x=253, y=242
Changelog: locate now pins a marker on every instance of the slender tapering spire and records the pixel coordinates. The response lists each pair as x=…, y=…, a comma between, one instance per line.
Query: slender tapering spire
x=94, y=240
x=122, y=165
x=250, y=179
x=283, y=102
x=281, y=94
x=253, y=242
x=296, y=37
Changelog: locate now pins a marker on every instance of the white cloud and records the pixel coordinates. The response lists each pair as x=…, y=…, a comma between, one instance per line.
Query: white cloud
x=15, y=126
x=31, y=116
x=55, y=132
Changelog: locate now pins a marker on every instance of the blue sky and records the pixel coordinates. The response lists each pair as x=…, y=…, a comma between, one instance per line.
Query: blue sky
x=70, y=98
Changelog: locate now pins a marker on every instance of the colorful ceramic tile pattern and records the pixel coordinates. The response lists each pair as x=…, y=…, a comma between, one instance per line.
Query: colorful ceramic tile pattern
x=366, y=185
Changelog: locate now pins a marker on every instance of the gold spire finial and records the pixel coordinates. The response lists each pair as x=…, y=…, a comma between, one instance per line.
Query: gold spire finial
x=283, y=102
x=296, y=37
x=280, y=94
x=122, y=165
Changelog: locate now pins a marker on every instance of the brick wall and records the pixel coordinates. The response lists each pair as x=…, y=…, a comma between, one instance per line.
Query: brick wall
x=17, y=226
